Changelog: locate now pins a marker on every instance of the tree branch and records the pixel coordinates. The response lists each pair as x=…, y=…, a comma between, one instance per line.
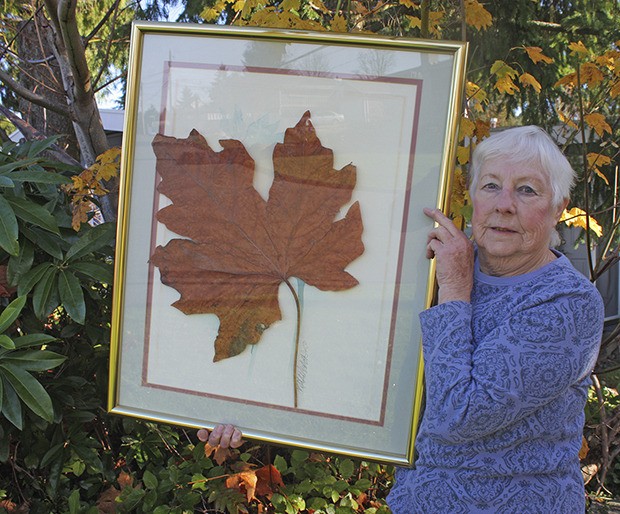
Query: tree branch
x=112, y=11
x=25, y=93
x=31, y=133
x=557, y=27
x=103, y=21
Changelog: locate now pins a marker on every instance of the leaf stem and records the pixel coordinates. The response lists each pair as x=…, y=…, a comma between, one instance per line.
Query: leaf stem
x=297, y=334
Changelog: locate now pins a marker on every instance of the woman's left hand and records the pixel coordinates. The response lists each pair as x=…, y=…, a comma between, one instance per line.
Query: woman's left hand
x=224, y=436
x=454, y=258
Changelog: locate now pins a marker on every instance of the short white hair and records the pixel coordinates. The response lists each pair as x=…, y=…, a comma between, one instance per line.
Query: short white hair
x=531, y=146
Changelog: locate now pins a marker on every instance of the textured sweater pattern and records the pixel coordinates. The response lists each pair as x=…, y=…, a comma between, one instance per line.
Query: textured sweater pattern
x=506, y=385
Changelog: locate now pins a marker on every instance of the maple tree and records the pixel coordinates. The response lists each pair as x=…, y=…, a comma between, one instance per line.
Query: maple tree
x=242, y=247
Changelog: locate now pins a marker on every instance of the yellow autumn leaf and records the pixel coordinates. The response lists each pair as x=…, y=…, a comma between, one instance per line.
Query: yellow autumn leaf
x=79, y=214
x=291, y=5
x=483, y=129
x=318, y=5
x=615, y=89
x=577, y=48
x=460, y=204
x=107, y=171
x=338, y=24
x=567, y=80
x=502, y=69
x=466, y=128
x=536, y=55
x=476, y=15
x=238, y=5
x=598, y=123
x=414, y=22
x=608, y=60
x=434, y=19
x=577, y=217
x=462, y=154
x=78, y=183
x=409, y=3
x=595, y=160
x=598, y=159
x=506, y=85
x=590, y=74
x=209, y=14
x=476, y=96
x=528, y=80
x=110, y=155
x=564, y=118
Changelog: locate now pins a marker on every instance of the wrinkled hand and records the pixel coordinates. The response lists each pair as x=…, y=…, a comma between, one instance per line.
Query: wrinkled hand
x=224, y=436
x=454, y=258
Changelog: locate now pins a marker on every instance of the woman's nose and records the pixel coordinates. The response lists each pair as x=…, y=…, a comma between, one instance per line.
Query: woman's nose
x=505, y=201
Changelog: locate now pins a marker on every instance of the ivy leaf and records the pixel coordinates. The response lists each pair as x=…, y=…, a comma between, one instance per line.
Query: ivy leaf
x=237, y=247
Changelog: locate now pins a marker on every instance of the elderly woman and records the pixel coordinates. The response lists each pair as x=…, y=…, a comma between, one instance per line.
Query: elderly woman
x=508, y=349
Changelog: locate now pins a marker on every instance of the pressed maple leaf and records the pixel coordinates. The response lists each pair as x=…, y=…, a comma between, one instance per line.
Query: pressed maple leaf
x=238, y=248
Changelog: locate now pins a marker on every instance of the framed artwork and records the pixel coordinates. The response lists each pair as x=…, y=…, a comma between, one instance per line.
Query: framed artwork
x=270, y=261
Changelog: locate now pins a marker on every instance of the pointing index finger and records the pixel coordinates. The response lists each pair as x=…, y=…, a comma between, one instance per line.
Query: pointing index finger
x=441, y=219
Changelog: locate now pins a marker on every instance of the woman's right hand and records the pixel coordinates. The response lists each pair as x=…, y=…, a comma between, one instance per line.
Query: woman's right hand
x=454, y=258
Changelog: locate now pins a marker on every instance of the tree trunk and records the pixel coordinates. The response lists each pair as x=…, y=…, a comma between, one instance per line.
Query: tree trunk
x=41, y=75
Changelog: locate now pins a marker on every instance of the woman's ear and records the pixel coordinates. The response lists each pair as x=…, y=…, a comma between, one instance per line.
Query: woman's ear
x=561, y=208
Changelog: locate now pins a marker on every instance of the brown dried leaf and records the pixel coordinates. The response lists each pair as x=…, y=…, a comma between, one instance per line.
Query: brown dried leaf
x=220, y=455
x=269, y=480
x=106, y=504
x=244, y=482
x=239, y=247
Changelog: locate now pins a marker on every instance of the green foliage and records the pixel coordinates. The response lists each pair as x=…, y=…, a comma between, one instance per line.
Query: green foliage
x=59, y=451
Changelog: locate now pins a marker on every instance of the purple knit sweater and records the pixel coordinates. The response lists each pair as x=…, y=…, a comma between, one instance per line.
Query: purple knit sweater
x=506, y=383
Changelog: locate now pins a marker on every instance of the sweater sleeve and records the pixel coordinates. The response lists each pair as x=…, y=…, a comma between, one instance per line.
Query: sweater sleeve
x=524, y=361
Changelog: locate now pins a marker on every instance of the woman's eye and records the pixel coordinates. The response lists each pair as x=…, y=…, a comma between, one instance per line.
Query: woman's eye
x=490, y=186
x=527, y=190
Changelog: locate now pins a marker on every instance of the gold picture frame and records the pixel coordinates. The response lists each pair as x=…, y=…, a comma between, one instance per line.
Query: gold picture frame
x=384, y=110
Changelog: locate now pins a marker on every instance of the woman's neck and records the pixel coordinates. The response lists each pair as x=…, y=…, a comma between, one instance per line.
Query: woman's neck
x=509, y=266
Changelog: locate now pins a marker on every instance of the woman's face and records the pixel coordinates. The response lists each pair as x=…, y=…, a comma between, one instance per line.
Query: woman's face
x=513, y=217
